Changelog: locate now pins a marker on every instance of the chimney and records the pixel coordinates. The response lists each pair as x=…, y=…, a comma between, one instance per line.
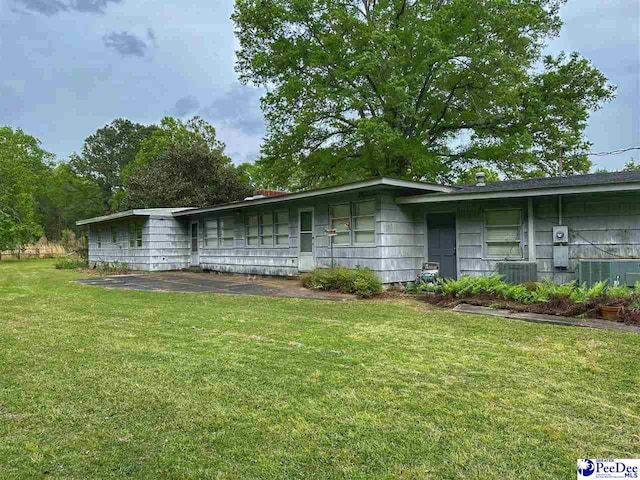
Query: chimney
x=480, y=179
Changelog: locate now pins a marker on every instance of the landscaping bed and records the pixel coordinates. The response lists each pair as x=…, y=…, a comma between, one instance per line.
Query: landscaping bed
x=570, y=299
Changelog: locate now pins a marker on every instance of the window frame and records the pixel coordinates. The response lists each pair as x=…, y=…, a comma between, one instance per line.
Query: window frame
x=351, y=218
x=135, y=235
x=114, y=234
x=274, y=228
x=217, y=242
x=485, y=236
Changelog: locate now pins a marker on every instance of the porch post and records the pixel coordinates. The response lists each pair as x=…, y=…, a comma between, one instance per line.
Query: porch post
x=531, y=231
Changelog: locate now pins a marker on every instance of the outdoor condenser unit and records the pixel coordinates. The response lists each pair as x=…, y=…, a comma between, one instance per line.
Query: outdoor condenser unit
x=518, y=272
x=616, y=272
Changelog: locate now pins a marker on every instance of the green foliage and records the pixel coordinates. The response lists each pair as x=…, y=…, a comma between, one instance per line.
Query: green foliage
x=71, y=263
x=421, y=89
x=66, y=198
x=529, y=293
x=631, y=165
x=23, y=165
x=106, y=154
x=112, y=268
x=183, y=164
x=362, y=282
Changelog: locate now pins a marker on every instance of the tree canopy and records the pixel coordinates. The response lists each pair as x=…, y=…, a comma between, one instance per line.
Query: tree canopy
x=421, y=89
x=22, y=165
x=183, y=164
x=107, y=152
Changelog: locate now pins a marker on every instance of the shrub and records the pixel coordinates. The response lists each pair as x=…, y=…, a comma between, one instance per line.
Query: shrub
x=112, y=267
x=71, y=263
x=361, y=281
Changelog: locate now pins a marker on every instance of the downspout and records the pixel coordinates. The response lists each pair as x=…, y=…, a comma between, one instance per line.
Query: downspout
x=531, y=231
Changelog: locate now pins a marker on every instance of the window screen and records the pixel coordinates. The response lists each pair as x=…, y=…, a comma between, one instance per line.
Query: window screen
x=139, y=235
x=266, y=229
x=99, y=238
x=132, y=235
x=114, y=234
x=353, y=222
x=503, y=233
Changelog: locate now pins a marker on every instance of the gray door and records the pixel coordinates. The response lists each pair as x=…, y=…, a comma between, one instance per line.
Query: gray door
x=306, y=259
x=195, y=243
x=441, y=241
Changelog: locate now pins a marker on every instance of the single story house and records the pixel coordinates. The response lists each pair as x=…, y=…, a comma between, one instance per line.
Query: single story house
x=583, y=227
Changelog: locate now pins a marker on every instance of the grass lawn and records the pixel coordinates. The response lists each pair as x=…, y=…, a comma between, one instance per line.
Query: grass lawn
x=98, y=383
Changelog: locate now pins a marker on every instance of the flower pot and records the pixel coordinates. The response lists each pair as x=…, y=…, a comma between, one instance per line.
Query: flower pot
x=611, y=312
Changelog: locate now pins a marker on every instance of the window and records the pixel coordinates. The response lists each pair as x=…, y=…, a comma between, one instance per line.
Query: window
x=341, y=222
x=364, y=222
x=354, y=223
x=503, y=233
x=266, y=229
x=219, y=233
x=269, y=229
x=211, y=233
x=99, y=238
x=226, y=228
x=252, y=230
x=135, y=235
x=281, y=225
x=114, y=234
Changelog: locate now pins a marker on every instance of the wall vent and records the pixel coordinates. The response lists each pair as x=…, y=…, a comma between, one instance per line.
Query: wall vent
x=518, y=272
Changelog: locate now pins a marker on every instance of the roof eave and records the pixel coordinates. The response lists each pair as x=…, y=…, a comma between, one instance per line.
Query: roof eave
x=458, y=197
x=383, y=181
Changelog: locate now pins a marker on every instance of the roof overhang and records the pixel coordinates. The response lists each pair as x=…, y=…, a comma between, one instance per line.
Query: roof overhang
x=137, y=212
x=374, y=182
x=541, y=192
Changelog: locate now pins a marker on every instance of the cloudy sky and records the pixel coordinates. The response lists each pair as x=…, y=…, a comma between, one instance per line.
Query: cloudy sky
x=67, y=67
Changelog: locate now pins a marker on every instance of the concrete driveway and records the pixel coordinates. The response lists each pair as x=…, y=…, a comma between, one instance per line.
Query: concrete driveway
x=213, y=283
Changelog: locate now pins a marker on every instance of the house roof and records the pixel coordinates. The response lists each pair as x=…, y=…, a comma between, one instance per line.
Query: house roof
x=137, y=212
x=590, y=183
x=404, y=186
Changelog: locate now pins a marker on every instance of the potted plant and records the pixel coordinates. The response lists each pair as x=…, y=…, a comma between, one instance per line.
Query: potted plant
x=612, y=311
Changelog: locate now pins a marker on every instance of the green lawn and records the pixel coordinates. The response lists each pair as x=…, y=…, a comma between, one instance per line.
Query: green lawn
x=98, y=383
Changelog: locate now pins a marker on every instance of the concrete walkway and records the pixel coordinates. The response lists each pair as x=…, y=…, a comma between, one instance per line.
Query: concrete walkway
x=553, y=319
x=213, y=283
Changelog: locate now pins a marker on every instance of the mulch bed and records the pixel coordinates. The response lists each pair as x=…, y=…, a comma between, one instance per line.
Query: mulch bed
x=561, y=306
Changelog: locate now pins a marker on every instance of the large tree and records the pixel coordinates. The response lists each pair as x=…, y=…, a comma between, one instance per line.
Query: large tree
x=183, y=164
x=106, y=153
x=67, y=197
x=23, y=164
x=420, y=89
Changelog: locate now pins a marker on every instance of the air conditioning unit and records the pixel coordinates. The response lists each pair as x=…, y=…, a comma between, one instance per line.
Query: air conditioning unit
x=518, y=272
x=616, y=272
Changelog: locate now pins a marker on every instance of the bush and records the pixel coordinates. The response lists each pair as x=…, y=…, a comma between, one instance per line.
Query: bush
x=110, y=268
x=528, y=293
x=360, y=281
x=71, y=263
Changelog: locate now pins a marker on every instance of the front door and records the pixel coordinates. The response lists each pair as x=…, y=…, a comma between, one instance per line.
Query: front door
x=195, y=243
x=306, y=260
x=441, y=243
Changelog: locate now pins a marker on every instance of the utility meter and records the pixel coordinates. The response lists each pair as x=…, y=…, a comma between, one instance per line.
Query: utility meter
x=561, y=246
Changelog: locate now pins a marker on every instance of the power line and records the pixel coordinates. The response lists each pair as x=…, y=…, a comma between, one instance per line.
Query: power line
x=613, y=152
